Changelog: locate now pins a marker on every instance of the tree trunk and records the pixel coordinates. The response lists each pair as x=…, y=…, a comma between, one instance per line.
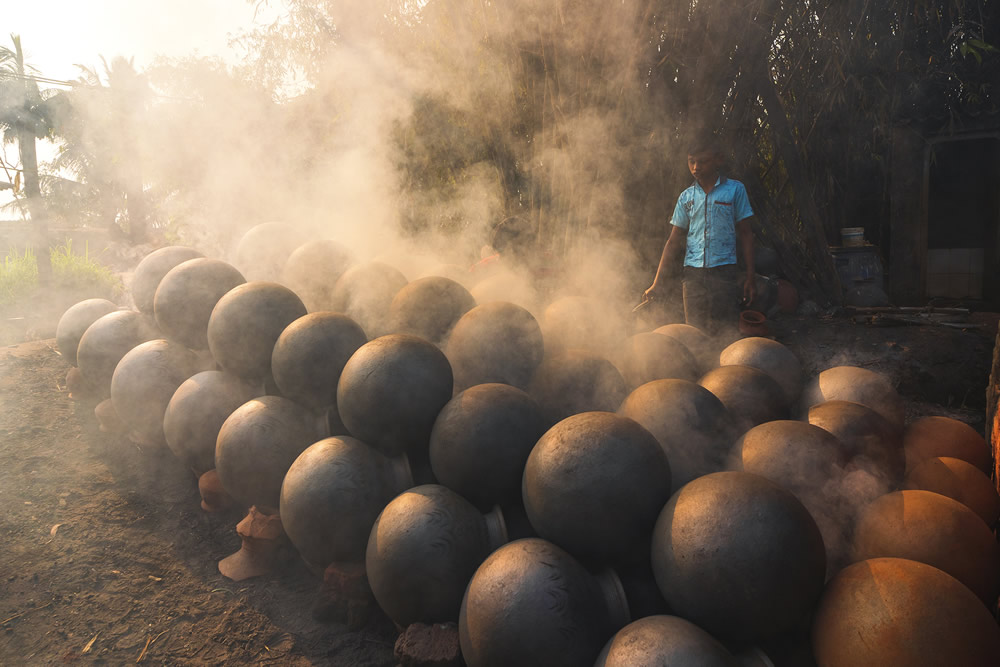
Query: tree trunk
x=33, y=195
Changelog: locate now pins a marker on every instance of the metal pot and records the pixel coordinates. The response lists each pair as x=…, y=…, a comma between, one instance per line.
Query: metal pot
x=106, y=341
x=577, y=381
x=364, y=293
x=313, y=269
x=660, y=640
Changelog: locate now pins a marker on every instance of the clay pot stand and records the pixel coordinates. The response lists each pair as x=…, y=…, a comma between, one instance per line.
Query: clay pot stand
x=263, y=536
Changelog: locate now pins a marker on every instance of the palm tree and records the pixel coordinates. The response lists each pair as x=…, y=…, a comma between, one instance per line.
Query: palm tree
x=24, y=117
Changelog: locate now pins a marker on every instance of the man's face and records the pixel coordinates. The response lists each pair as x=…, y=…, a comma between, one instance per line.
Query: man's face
x=704, y=166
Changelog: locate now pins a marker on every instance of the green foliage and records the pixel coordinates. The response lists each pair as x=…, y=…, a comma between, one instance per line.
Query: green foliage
x=82, y=272
x=18, y=275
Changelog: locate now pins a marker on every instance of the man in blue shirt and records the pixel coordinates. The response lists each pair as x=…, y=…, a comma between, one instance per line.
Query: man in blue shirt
x=711, y=219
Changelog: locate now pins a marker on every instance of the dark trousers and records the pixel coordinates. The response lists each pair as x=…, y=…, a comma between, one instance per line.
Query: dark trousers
x=712, y=299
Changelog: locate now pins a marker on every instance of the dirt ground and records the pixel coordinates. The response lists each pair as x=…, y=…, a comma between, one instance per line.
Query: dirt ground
x=107, y=556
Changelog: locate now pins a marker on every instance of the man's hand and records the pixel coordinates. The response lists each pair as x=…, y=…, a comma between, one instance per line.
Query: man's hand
x=655, y=290
x=749, y=289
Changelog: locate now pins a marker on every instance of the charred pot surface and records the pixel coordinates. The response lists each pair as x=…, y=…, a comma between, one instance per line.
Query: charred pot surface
x=391, y=391
x=423, y=550
x=739, y=556
x=531, y=603
x=429, y=308
x=310, y=355
x=651, y=356
x=145, y=380
x=750, y=395
x=664, y=640
x=75, y=321
x=771, y=357
x=891, y=611
x=932, y=529
x=196, y=412
x=106, y=341
x=958, y=480
x=333, y=493
x=257, y=444
x=582, y=323
x=364, y=293
x=594, y=483
x=262, y=251
x=692, y=426
x=857, y=385
x=313, y=269
x=151, y=271
x=577, y=381
x=481, y=440
x=186, y=295
x=870, y=442
x=930, y=437
x=696, y=341
x=246, y=323
x=495, y=342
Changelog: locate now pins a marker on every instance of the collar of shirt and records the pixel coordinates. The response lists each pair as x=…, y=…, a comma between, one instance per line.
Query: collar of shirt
x=718, y=182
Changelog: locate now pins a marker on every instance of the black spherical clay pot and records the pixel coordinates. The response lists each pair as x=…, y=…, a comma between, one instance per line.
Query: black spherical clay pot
x=364, y=293
x=771, y=357
x=577, y=381
x=857, y=385
x=696, y=341
x=423, y=550
x=333, y=493
x=150, y=272
x=652, y=356
x=750, y=395
x=739, y=556
x=76, y=320
x=582, y=323
x=106, y=341
x=691, y=424
x=391, y=391
x=429, y=307
x=868, y=440
x=892, y=611
x=658, y=641
x=257, y=444
x=246, y=323
x=262, y=251
x=927, y=527
x=187, y=294
x=145, y=380
x=531, y=603
x=594, y=483
x=310, y=355
x=197, y=411
x=481, y=441
x=496, y=342
x=313, y=269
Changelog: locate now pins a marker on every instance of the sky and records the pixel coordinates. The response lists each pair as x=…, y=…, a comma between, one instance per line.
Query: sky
x=58, y=34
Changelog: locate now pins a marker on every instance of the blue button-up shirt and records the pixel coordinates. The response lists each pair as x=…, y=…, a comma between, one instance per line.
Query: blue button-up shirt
x=710, y=220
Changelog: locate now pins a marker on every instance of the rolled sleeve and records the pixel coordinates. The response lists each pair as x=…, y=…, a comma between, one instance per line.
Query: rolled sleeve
x=680, y=218
x=741, y=204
